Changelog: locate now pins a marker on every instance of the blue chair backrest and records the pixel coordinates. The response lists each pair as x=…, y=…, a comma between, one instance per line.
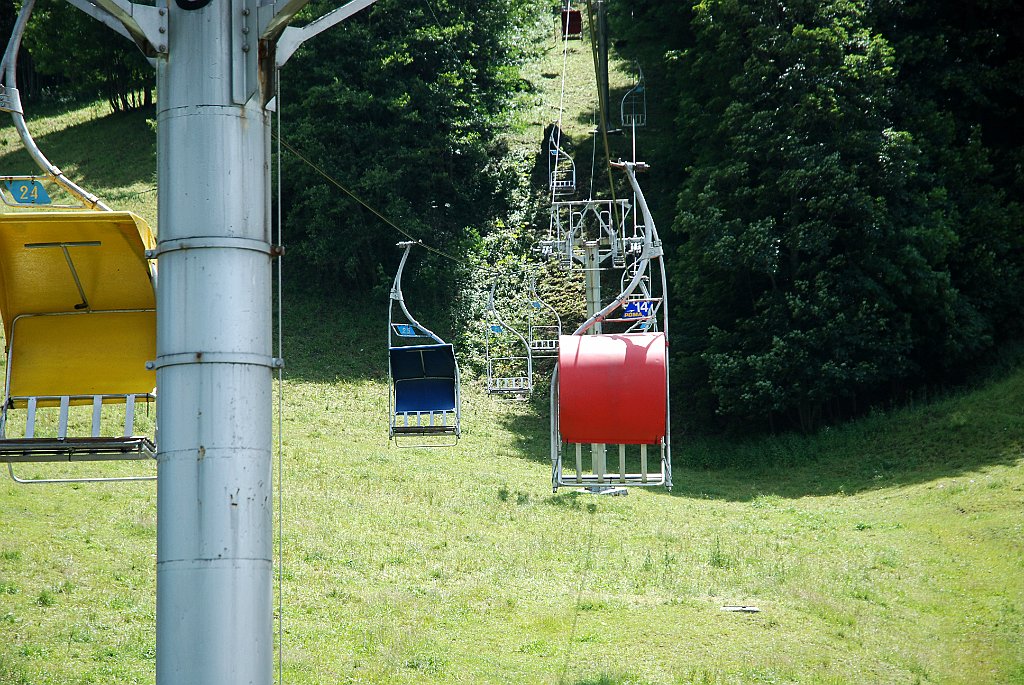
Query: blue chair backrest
x=424, y=377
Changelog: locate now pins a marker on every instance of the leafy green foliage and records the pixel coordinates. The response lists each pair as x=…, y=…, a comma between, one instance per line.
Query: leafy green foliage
x=960, y=91
x=784, y=216
x=404, y=105
x=839, y=234
x=87, y=59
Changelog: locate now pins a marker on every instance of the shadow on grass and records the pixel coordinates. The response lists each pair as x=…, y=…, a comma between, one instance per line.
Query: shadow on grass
x=947, y=438
x=115, y=150
x=531, y=428
x=331, y=339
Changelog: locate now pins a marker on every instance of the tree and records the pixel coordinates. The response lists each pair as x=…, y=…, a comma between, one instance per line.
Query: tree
x=961, y=92
x=100, y=64
x=811, y=258
x=404, y=105
x=850, y=197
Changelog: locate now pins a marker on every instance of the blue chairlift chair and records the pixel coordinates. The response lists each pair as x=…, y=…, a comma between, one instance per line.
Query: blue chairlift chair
x=424, y=399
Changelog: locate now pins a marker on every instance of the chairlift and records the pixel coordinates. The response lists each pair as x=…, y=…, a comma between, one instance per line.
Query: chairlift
x=508, y=352
x=633, y=108
x=423, y=377
x=612, y=388
x=575, y=224
x=544, y=325
x=561, y=167
x=572, y=22
x=79, y=316
x=78, y=308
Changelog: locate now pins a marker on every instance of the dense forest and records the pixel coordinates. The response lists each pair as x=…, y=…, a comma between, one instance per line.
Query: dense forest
x=841, y=182
x=848, y=180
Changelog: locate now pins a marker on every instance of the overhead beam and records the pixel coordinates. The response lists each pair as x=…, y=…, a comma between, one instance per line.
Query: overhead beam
x=145, y=25
x=293, y=37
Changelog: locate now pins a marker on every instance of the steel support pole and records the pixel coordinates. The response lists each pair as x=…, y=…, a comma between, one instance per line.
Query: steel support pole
x=592, y=276
x=603, y=87
x=214, y=366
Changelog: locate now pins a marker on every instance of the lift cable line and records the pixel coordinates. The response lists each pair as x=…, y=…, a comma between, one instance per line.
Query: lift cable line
x=601, y=104
x=593, y=156
x=557, y=150
x=581, y=583
x=335, y=182
x=280, y=397
x=401, y=231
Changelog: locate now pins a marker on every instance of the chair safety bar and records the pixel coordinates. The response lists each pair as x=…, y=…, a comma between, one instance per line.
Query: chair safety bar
x=425, y=424
x=601, y=476
x=544, y=344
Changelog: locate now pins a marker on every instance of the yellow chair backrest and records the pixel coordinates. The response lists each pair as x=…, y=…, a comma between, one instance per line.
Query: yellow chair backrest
x=57, y=342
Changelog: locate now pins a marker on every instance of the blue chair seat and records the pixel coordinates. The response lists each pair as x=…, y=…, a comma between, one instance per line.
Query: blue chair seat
x=425, y=378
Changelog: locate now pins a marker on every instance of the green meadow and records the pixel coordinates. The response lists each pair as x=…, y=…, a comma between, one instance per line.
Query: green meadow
x=888, y=550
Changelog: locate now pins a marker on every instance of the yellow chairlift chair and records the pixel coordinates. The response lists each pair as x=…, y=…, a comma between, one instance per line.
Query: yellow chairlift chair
x=77, y=302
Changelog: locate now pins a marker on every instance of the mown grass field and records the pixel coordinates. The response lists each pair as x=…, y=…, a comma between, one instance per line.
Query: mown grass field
x=887, y=551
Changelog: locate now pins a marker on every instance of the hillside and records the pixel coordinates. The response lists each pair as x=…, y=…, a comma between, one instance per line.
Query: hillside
x=895, y=555
x=890, y=550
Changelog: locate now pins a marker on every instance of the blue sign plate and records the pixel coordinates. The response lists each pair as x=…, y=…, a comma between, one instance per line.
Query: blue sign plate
x=404, y=330
x=638, y=309
x=28, y=192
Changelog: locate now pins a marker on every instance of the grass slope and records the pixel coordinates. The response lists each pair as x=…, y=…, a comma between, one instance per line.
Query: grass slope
x=111, y=155
x=889, y=551
x=895, y=555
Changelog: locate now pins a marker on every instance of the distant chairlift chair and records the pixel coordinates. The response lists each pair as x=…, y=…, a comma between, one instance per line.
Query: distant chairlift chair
x=545, y=326
x=78, y=307
x=424, y=399
x=572, y=22
x=509, y=355
x=561, y=167
x=633, y=109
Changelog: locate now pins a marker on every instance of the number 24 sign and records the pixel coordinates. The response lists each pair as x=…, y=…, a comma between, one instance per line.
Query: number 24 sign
x=28, y=192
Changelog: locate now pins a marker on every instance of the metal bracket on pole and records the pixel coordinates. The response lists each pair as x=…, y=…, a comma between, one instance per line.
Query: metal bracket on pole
x=215, y=358
x=292, y=37
x=207, y=243
x=245, y=55
x=145, y=25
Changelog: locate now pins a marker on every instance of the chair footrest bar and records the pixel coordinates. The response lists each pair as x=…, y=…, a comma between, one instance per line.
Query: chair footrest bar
x=26, y=450
x=425, y=430
x=611, y=479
